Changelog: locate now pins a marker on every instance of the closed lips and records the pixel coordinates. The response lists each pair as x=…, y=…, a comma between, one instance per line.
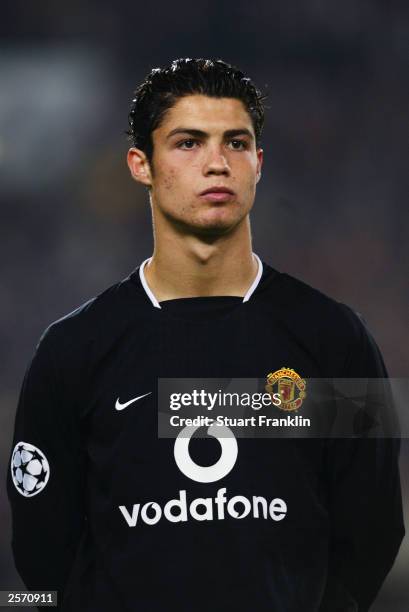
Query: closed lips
x=217, y=190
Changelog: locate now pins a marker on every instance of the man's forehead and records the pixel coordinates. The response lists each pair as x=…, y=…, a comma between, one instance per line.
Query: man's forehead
x=207, y=113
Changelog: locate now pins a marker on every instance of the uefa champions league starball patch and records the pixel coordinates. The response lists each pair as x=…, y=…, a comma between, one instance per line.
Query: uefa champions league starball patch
x=30, y=470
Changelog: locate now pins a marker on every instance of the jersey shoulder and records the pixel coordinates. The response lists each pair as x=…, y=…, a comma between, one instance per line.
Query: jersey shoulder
x=297, y=297
x=331, y=330
x=96, y=323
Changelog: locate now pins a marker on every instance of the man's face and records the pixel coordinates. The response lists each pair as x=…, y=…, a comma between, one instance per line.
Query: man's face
x=205, y=143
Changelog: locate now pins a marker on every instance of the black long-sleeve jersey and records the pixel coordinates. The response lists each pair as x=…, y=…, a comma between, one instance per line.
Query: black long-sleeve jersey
x=102, y=511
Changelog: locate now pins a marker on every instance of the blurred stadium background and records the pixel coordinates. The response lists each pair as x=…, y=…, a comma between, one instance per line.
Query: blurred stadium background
x=331, y=209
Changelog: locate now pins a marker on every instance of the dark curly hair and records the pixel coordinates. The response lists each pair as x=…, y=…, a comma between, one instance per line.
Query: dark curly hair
x=162, y=87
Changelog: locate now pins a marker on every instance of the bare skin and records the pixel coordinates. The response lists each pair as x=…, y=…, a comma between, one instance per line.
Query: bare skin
x=202, y=242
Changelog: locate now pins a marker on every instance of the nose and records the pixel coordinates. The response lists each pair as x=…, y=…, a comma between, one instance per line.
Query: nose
x=215, y=162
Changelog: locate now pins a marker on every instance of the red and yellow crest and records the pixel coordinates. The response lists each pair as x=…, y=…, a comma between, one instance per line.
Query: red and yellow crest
x=290, y=386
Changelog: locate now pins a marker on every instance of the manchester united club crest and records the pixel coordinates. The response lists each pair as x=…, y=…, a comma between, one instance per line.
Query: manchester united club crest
x=290, y=386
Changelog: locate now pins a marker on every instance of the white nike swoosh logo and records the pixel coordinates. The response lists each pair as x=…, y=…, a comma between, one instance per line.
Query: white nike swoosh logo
x=120, y=406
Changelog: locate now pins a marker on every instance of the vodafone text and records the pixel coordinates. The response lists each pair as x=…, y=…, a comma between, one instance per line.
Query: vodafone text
x=205, y=509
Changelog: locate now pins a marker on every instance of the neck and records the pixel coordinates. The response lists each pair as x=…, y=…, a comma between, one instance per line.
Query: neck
x=185, y=265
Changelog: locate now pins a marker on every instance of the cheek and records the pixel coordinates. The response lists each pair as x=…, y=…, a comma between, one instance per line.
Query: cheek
x=171, y=188
x=168, y=180
x=172, y=175
x=245, y=181
x=245, y=170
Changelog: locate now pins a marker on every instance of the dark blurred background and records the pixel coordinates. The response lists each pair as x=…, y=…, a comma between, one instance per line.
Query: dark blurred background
x=331, y=209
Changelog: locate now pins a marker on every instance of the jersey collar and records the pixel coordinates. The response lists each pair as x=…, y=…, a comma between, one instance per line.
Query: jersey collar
x=156, y=304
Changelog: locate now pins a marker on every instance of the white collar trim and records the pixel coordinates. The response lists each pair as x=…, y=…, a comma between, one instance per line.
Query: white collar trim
x=156, y=304
x=145, y=284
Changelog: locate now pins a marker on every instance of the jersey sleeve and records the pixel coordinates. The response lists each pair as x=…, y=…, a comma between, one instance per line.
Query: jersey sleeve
x=364, y=498
x=45, y=478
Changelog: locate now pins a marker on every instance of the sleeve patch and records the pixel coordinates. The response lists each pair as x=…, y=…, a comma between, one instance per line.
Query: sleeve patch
x=30, y=469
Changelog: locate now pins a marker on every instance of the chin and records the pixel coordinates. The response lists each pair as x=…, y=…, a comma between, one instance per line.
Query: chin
x=215, y=227
x=212, y=223
x=210, y=228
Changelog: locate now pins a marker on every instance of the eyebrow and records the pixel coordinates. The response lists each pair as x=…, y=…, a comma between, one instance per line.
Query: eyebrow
x=201, y=134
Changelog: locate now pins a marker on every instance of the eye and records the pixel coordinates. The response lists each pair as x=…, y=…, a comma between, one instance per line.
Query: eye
x=187, y=144
x=238, y=145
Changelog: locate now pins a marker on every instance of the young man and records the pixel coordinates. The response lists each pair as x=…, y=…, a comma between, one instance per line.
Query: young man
x=115, y=517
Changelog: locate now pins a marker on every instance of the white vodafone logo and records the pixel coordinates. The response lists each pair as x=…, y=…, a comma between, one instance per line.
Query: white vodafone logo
x=211, y=473
x=180, y=509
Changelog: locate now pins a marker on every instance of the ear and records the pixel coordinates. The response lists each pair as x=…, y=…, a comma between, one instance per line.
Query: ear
x=139, y=167
x=260, y=154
